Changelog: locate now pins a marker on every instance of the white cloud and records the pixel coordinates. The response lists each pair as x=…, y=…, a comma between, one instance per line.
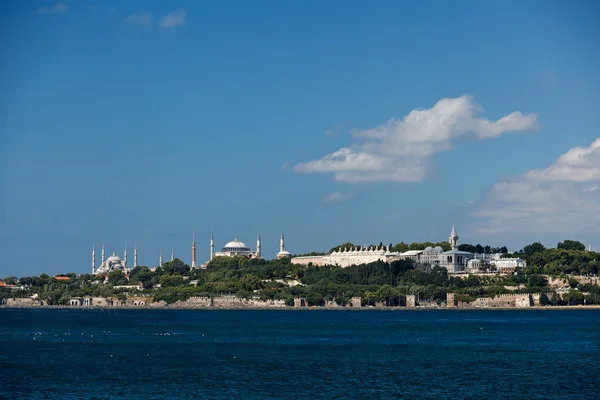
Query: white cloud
x=336, y=197
x=173, y=19
x=592, y=188
x=562, y=198
x=580, y=164
x=139, y=18
x=57, y=8
x=400, y=149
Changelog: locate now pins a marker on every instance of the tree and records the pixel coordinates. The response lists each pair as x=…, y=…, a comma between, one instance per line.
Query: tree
x=503, y=250
x=573, y=283
x=400, y=247
x=10, y=280
x=479, y=249
x=571, y=245
x=445, y=246
x=467, y=247
x=544, y=300
x=117, y=277
x=537, y=281
x=171, y=280
x=533, y=248
x=342, y=247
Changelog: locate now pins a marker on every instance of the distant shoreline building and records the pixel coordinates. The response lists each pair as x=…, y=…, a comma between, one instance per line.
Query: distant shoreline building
x=113, y=262
x=455, y=261
x=237, y=248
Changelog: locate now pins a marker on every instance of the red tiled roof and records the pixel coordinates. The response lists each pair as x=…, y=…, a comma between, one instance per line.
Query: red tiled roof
x=62, y=278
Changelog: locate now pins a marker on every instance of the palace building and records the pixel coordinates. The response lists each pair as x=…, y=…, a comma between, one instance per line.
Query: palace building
x=455, y=261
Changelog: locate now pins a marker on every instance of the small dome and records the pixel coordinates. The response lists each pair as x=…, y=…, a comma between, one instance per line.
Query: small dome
x=474, y=262
x=284, y=253
x=428, y=248
x=438, y=248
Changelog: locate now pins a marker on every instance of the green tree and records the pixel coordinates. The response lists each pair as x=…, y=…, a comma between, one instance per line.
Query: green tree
x=10, y=280
x=467, y=247
x=533, y=248
x=573, y=283
x=571, y=245
x=343, y=246
x=117, y=277
x=171, y=280
x=536, y=280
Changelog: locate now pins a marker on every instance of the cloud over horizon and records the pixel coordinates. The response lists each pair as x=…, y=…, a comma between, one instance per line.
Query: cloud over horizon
x=336, y=197
x=139, y=18
x=562, y=198
x=56, y=8
x=400, y=149
x=173, y=19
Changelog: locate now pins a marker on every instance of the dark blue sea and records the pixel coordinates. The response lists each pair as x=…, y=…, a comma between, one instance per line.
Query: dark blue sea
x=177, y=354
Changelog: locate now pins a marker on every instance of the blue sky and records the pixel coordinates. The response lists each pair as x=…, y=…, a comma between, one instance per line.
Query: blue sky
x=334, y=121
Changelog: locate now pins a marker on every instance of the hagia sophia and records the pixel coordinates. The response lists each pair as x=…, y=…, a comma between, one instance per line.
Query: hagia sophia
x=455, y=261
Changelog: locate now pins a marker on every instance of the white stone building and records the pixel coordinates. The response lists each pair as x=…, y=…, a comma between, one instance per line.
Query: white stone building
x=455, y=261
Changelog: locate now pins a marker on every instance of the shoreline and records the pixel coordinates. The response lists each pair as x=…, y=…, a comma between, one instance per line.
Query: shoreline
x=103, y=308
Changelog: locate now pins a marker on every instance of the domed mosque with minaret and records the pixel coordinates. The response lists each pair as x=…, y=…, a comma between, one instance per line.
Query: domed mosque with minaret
x=239, y=248
x=113, y=262
x=232, y=249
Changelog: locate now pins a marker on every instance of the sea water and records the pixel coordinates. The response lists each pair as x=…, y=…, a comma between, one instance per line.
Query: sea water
x=212, y=354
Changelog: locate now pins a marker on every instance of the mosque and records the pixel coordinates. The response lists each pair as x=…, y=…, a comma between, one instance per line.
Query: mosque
x=238, y=248
x=113, y=262
x=231, y=249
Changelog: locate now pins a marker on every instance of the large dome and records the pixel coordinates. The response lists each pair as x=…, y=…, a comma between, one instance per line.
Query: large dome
x=113, y=259
x=236, y=244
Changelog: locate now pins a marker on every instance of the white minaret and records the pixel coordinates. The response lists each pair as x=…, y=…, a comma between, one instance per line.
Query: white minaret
x=102, y=254
x=134, y=255
x=172, y=253
x=282, y=243
x=93, y=260
x=258, y=247
x=212, y=246
x=125, y=256
x=160, y=259
x=453, y=240
x=194, y=251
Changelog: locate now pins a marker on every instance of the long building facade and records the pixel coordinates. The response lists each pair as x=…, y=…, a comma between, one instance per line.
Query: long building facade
x=455, y=261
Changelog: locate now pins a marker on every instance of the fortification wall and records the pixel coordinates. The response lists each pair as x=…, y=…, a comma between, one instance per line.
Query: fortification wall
x=506, y=300
x=23, y=302
x=230, y=302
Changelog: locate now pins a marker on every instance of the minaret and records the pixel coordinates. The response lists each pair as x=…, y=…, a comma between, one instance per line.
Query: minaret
x=102, y=254
x=453, y=240
x=194, y=251
x=172, y=253
x=125, y=256
x=93, y=260
x=212, y=246
x=258, y=247
x=134, y=255
x=282, y=243
x=160, y=259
